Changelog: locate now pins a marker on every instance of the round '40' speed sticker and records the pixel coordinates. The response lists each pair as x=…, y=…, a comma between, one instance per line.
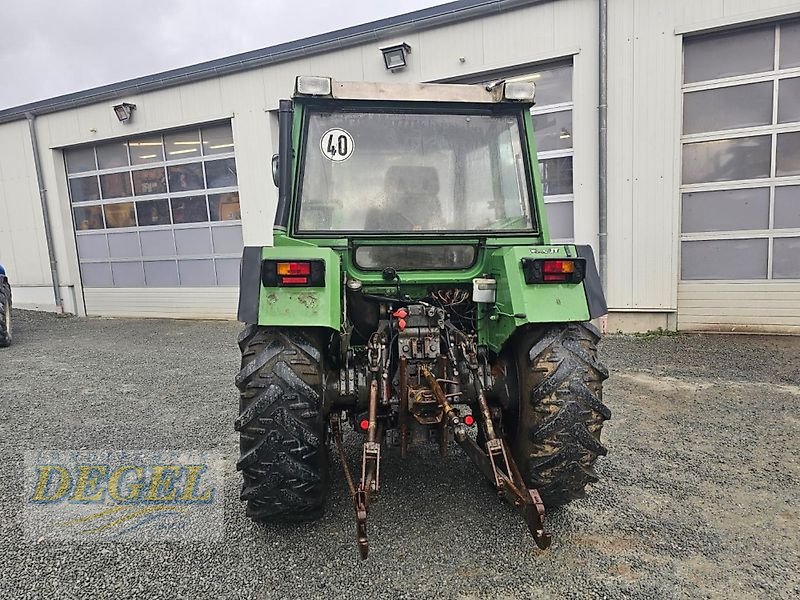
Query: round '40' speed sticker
x=337, y=144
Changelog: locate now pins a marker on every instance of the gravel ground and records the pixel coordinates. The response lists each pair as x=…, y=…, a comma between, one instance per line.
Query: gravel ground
x=699, y=496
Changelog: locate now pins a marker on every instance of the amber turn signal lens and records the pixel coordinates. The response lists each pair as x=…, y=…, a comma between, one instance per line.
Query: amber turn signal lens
x=294, y=268
x=558, y=266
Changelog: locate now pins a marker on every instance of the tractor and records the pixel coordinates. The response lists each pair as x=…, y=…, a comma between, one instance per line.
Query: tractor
x=412, y=294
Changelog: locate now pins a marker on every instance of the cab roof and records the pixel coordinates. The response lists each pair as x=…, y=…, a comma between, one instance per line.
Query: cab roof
x=492, y=93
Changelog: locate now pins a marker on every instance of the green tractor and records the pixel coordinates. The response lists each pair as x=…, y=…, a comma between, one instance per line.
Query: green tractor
x=412, y=294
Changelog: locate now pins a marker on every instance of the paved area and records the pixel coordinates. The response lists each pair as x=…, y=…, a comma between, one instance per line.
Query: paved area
x=699, y=498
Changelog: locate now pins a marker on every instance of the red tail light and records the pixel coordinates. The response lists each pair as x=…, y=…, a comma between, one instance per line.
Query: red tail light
x=289, y=273
x=554, y=270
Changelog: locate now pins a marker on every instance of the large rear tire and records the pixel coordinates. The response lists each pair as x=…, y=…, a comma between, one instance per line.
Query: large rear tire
x=5, y=313
x=556, y=436
x=281, y=424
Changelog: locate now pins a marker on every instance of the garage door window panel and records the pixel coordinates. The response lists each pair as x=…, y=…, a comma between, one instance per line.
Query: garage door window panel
x=88, y=217
x=80, y=160
x=96, y=274
x=556, y=176
x=729, y=54
x=221, y=173
x=157, y=243
x=789, y=100
x=227, y=239
x=182, y=145
x=93, y=247
x=112, y=156
x=161, y=273
x=224, y=207
x=197, y=273
x=553, y=130
x=553, y=85
x=193, y=242
x=153, y=212
x=217, y=140
x=728, y=108
x=84, y=189
x=790, y=45
x=146, y=150
x=560, y=219
x=124, y=245
x=189, y=209
x=787, y=208
x=727, y=160
x=119, y=215
x=227, y=271
x=127, y=274
x=116, y=185
x=724, y=259
x=788, y=154
x=725, y=210
x=786, y=258
x=186, y=177
x=149, y=181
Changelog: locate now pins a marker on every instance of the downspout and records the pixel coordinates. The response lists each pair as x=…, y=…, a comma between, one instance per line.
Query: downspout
x=602, y=117
x=48, y=231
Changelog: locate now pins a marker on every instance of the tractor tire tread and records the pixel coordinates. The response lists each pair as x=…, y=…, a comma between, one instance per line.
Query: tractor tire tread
x=283, y=453
x=5, y=304
x=564, y=412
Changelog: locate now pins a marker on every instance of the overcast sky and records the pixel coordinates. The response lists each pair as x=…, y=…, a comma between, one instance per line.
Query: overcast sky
x=52, y=47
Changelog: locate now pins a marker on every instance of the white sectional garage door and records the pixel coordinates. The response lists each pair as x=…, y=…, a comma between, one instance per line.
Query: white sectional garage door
x=157, y=223
x=740, y=194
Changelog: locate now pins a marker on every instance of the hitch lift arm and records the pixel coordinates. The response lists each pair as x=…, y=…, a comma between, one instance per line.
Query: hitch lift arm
x=496, y=463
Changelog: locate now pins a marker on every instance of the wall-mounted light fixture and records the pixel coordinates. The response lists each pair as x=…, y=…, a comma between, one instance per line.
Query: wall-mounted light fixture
x=124, y=111
x=395, y=57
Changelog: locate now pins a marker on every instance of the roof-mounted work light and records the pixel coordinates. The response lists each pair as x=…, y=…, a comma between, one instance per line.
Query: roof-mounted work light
x=522, y=91
x=307, y=85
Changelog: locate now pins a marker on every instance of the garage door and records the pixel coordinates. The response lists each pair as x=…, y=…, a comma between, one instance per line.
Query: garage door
x=740, y=196
x=157, y=223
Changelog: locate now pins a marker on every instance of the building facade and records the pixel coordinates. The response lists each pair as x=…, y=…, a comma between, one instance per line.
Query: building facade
x=147, y=217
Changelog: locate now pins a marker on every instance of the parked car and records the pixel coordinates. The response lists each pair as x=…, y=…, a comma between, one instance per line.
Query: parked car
x=5, y=309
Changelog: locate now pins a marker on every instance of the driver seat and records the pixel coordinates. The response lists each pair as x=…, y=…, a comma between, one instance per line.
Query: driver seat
x=411, y=200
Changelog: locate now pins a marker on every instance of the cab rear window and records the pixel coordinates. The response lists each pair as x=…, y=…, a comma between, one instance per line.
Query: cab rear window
x=416, y=257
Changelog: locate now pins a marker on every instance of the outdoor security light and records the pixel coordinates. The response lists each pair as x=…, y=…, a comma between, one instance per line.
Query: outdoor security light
x=124, y=111
x=395, y=56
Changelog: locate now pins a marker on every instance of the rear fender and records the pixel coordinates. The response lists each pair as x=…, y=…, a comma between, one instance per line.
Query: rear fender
x=519, y=303
x=275, y=306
